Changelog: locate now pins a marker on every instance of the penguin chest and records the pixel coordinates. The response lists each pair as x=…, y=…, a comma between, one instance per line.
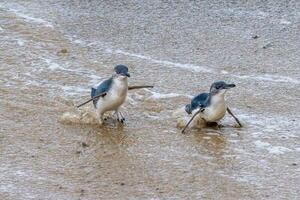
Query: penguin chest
x=117, y=96
x=114, y=98
x=216, y=111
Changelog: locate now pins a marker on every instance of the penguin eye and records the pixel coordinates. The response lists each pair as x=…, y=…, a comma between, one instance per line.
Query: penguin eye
x=218, y=87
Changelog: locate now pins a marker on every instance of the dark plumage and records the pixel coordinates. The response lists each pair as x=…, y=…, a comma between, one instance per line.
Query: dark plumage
x=122, y=70
x=211, y=106
x=216, y=87
x=203, y=100
x=199, y=101
x=101, y=88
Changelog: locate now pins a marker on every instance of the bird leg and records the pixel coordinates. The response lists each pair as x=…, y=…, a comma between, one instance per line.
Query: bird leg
x=123, y=118
x=200, y=110
x=236, y=119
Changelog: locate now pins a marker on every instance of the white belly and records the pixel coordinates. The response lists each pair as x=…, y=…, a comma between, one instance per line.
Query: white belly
x=216, y=111
x=214, y=114
x=114, y=98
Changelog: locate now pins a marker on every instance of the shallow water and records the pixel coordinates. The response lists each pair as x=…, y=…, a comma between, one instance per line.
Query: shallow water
x=52, y=52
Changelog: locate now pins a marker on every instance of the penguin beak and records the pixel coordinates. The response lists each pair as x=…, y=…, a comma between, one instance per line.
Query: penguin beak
x=228, y=86
x=126, y=74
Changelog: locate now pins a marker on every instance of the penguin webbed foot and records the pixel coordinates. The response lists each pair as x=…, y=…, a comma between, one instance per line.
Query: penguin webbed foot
x=120, y=117
x=122, y=120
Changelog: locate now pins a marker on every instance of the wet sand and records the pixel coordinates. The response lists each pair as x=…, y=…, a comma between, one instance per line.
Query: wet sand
x=52, y=52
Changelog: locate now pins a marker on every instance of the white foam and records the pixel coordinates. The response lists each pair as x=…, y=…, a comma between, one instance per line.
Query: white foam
x=278, y=150
x=54, y=66
x=84, y=115
x=197, y=68
x=151, y=116
x=188, y=66
x=20, y=173
x=261, y=144
x=239, y=12
x=156, y=95
x=257, y=134
x=224, y=72
x=94, y=79
x=20, y=42
x=131, y=100
x=1, y=29
x=278, y=124
x=271, y=149
x=74, y=90
x=8, y=187
x=30, y=19
x=77, y=41
x=285, y=22
x=269, y=77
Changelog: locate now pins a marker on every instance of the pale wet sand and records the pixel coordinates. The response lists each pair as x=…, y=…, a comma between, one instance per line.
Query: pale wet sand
x=52, y=52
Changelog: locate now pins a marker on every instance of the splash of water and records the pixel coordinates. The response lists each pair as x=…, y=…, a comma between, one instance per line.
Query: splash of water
x=182, y=119
x=82, y=116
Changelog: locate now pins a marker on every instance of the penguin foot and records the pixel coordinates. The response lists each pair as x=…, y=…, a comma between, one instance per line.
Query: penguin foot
x=122, y=120
x=120, y=117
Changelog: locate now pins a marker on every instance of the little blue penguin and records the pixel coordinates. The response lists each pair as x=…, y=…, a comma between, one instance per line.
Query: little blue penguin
x=212, y=105
x=114, y=92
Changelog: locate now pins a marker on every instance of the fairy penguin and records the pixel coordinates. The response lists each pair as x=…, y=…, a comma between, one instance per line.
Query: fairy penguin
x=114, y=92
x=213, y=106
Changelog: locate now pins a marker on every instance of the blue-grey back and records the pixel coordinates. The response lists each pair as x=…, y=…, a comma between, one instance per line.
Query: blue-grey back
x=101, y=88
x=201, y=100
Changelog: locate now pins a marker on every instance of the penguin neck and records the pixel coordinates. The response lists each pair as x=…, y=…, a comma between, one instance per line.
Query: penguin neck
x=216, y=98
x=120, y=84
